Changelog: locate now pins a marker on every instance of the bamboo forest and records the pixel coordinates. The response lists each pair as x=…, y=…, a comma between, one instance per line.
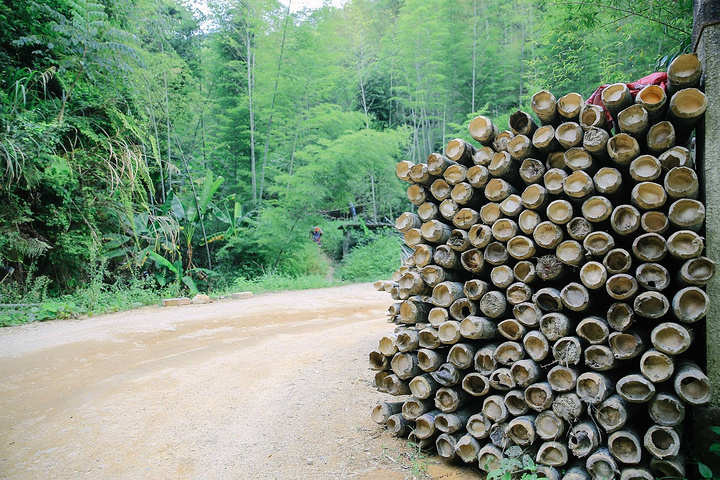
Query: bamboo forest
x=162, y=147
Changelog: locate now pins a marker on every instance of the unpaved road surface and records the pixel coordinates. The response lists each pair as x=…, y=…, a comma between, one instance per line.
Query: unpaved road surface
x=273, y=387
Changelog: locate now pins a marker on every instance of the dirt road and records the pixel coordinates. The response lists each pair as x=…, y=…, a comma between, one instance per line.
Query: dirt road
x=273, y=387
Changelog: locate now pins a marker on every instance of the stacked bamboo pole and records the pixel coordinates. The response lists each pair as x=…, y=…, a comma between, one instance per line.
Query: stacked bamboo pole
x=557, y=278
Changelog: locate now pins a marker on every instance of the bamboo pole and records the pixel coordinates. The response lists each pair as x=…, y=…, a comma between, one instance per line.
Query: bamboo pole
x=553, y=454
x=672, y=467
x=583, y=439
x=620, y=316
x=601, y=464
x=616, y=98
x=544, y=139
x=553, y=180
x=476, y=384
x=418, y=194
x=562, y=378
x=671, y=338
x=593, y=275
x=595, y=141
x=687, y=214
x=478, y=426
x=549, y=300
x=687, y=106
x=501, y=379
x=559, y=212
x=662, y=442
x=405, y=365
x=626, y=345
x=568, y=406
x=440, y=189
x=501, y=140
x=482, y=129
x=473, y=260
x=569, y=106
x=544, y=105
x=397, y=425
x=521, y=430
x=450, y=399
x=634, y=120
x=651, y=305
x=519, y=148
x=427, y=211
x=511, y=206
x=635, y=388
x=414, y=407
x=536, y=345
x=430, y=360
x=578, y=228
x=654, y=100
x=429, y=338
x=569, y=134
x=384, y=410
x=599, y=358
x=520, y=247
x=425, y=424
x=445, y=444
x=612, y=414
x=592, y=116
x=623, y=149
x=480, y=235
x=489, y=458
x=594, y=388
x=483, y=156
x=518, y=293
x=402, y=169
x=568, y=350
x=539, y=396
x=524, y=271
x=575, y=297
x=653, y=276
x=460, y=151
x=449, y=332
x=548, y=235
x=648, y=196
x=502, y=276
x=654, y=222
x=423, y=386
x=438, y=163
x=626, y=446
x=549, y=426
x=485, y=360
x=515, y=403
x=625, y=220
x=598, y=243
x=691, y=384
x=645, y=168
x=419, y=174
x=467, y=448
x=666, y=409
x=676, y=157
x=660, y=137
x=478, y=176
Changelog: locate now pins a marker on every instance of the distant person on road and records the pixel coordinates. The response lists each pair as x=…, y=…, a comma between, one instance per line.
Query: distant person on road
x=316, y=235
x=353, y=212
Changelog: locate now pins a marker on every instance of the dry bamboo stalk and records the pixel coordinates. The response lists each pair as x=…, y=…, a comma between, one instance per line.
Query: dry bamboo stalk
x=445, y=293
x=612, y=414
x=592, y=116
x=397, y=425
x=555, y=159
x=448, y=208
x=489, y=458
x=430, y=360
x=429, y=338
x=418, y=194
x=687, y=214
x=666, y=409
x=549, y=426
x=434, y=275
x=626, y=446
x=508, y=352
x=656, y=366
x=525, y=372
x=521, y=430
x=449, y=332
x=480, y=235
x=544, y=105
x=427, y=211
x=625, y=220
x=654, y=222
x=634, y=120
x=520, y=247
x=490, y=213
x=445, y=445
x=671, y=467
x=478, y=176
x=501, y=379
x=501, y=140
x=461, y=308
x=635, y=388
x=645, y=168
x=562, y=378
x=683, y=72
x=553, y=180
x=462, y=355
x=483, y=156
x=649, y=247
x=569, y=106
x=575, y=297
x=446, y=257
x=593, y=275
x=511, y=206
x=423, y=256
x=422, y=444
x=407, y=341
x=406, y=221
x=531, y=170
x=474, y=288
x=595, y=141
x=536, y=345
x=681, y=182
x=539, y=396
x=482, y=130
x=414, y=407
x=498, y=190
x=425, y=424
x=525, y=271
x=583, y=439
x=599, y=358
x=653, y=276
x=459, y=239
x=577, y=158
x=578, y=228
x=648, y=196
x=654, y=100
x=559, y=211
x=440, y=189
x=502, y=276
x=685, y=244
x=485, y=359
x=548, y=299
x=478, y=426
x=671, y=338
x=577, y=472
x=594, y=330
x=616, y=97
x=467, y=448
x=544, y=139
x=570, y=253
x=519, y=148
x=535, y=197
x=460, y=151
x=494, y=409
x=476, y=384
x=504, y=229
x=521, y=123
x=473, y=260
x=601, y=464
x=651, y=305
x=515, y=403
x=594, y=388
x=687, y=106
x=405, y=365
x=395, y=386
x=465, y=194
x=550, y=268
x=528, y=220
x=617, y=260
x=518, y=293
x=384, y=410
x=662, y=442
x=450, y=399
x=661, y=137
x=476, y=328
x=676, y=157
x=548, y=235
x=493, y=304
x=608, y=181
x=378, y=361
x=553, y=454
x=402, y=169
x=414, y=311
x=691, y=384
x=412, y=284
x=636, y=473
x=527, y=313
x=388, y=344
x=569, y=134
x=568, y=350
x=423, y=386
x=453, y=421
x=623, y=149
x=419, y=174
x=437, y=164
x=626, y=345
x=696, y=271
x=568, y=406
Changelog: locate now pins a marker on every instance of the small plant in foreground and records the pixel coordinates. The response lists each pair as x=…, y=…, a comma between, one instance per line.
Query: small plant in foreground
x=516, y=465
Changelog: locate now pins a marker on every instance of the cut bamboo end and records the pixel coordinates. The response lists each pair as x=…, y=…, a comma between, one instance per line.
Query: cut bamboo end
x=653, y=276
x=406, y=221
x=440, y=190
x=687, y=106
x=548, y=235
x=544, y=104
x=616, y=97
x=568, y=350
x=569, y=106
x=593, y=275
x=549, y=426
x=650, y=247
x=476, y=328
x=515, y=403
x=531, y=171
x=518, y=293
x=621, y=286
x=568, y=406
x=654, y=100
x=498, y=190
x=418, y=194
x=452, y=422
x=539, y=396
x=607, y=181
x=583, y=439
x=569, y=135
x=423, y=386
x=687, y=214
x=427, y=211
x=598, y=243
x=448, y=208
x=460, y=151
x=419, y=174
x=636, y=473
x=662, y=442
x=525, y=271
x=570, y=252
x=592, y=116
x=423, y=256
x=508, y=353
x=666, y=409
x=521, y=430
x=577, y=158
x=445, y=293
x=685, y=244
x=634, y=120
x=594, y=330
x=429, y=360
x=478, y=176
x=553, y=454
x=462, y=308
x=478, y=426
x=559, y=212
x=493, y=304
x=388, y=345
x=555, y=160
x=625, y=345
x=414, y=407
x=462, y=355
x=676, y=157
x=528, y=314
x=483, y=156
x=599, y=358
x=449, y=399
x=402, y=169
x=617, y=260
x=446, y=257
x=511, y=206
x=519, y=148
x=475, y=288
x=648, y=196
x=682, y=182
x=407, y=340
x=645, y=168
x=395, y=386
x=467, y=448
x=612, y=414
x=544, y=139
x=504, y=229
x=623, y=149
x=495, y=253
x=651, y=305
x=412, y=311
x=405, y=365
x=433, y=275
x=437, y=164
x=536, y=345
x=697, y=271
x=476, y=384
x=521, y=123
x=498, y=436
x=691, y=384
x=449, y=332
x=482, y=129
x=489, y=458
x=562, y=378
x=601, y=464
x=528, y=220
x=397, y=425
x=459, y=239
x=635, y=388
x=575, y=297
x=485, y=360
x=625, y=220
x=501, y=379
x=620, y=316
x=657, y=366
x=525, y=372
x=554, y=179
x=671, y=338
x=578, y=228
x=534, y=197
x=480, y=235
x=654, y=222
x=549, y=300
x=684, y=71
x=595, y=141
x=445, y=445
x=512, y=329
x=660, y=137
x=626, y=446
x=383, y=411
x=494, y=409
x=672, y=467
x=520, y=247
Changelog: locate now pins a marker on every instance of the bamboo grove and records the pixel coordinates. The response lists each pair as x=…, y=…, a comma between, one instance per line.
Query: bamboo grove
x=556, y=279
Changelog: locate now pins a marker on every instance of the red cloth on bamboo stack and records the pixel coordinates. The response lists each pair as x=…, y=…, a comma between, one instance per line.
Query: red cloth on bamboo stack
x=657, y=78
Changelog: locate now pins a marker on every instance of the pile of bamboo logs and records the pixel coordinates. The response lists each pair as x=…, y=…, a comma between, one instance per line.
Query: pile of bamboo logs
x=556, y=278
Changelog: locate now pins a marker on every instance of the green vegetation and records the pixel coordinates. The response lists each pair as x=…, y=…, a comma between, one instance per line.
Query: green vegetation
x=147, y=148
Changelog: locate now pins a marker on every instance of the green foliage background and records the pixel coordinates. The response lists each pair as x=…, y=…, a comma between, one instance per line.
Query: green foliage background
x=145, y=145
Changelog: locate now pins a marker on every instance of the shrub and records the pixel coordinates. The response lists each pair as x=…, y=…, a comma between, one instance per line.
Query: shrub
x=377, y=259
